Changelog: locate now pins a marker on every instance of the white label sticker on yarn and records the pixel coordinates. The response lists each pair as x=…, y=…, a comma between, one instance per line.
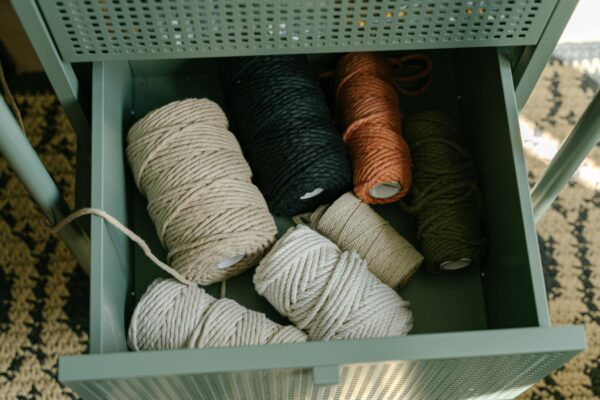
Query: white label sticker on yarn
x=229, y=262
x=385, y=190
x=312, y=194
x=455, y=265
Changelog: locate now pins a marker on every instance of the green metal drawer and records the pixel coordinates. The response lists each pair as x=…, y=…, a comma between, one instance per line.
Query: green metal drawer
x=477, y=335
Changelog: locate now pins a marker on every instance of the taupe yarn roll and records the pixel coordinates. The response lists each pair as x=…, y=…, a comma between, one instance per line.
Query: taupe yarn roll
x=172, y=315
x=328, y=293
x=354, y=225
x=213, y=221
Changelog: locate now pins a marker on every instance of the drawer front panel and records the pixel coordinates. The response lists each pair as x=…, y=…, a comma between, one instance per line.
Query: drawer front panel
x=502, y=377
x=86, y=30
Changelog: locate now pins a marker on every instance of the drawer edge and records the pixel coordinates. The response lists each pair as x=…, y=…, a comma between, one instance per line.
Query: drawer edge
x=571, y=339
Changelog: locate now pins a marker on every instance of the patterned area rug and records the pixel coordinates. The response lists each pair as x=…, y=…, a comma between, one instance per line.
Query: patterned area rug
x=569, y=233
x=44, y=295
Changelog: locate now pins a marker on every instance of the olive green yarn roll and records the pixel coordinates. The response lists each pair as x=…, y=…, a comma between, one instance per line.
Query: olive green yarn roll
x=445, y=197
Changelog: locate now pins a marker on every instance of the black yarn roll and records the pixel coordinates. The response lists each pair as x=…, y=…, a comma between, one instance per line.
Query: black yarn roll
x=281, y=119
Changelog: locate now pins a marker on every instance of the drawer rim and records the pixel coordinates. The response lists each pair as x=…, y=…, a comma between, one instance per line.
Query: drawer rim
x=437, y=346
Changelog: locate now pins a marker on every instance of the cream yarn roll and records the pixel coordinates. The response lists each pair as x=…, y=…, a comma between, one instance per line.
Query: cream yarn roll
x=213, y=221
x=172, y=315
x=354, y=225
x=327, y=292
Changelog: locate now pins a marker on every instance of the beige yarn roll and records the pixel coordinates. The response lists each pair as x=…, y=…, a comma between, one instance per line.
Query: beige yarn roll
x=354, y=225
x=206, y=210
x=172, y=315
x=326, y=292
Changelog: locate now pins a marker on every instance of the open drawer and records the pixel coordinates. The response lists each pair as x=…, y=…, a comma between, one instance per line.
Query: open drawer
x=481, y=334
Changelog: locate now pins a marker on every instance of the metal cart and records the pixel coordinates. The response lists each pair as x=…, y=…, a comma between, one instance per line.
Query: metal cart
x=480, y=336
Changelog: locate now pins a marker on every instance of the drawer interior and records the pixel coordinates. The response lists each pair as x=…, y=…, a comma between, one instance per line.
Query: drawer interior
x=474, y=85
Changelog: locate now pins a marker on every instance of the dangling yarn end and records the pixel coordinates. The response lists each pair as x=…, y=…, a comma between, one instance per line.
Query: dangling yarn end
x=127, y=232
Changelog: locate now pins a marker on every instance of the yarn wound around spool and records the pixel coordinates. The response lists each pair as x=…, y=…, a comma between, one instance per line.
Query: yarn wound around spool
x=328, y=293
x=207, y=212
x=171, y=315
x=283, y=124
x=354, y=225
x=445, y=198
x=368, y=107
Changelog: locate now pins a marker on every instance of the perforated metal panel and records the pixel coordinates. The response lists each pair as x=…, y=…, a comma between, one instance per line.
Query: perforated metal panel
x=95, y=30
x=483, y=378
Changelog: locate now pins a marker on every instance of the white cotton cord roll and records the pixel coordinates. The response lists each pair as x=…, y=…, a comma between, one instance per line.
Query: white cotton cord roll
x=171, y=315
x=213, y=221
x=328, y=293
x=354, y=225
x=175, y=313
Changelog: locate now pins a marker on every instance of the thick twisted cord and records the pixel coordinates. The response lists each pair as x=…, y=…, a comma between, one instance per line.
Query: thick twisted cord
x=328, y=293
x=283, y=124
x=354, y=225
x=368, y=107
x=206, y=210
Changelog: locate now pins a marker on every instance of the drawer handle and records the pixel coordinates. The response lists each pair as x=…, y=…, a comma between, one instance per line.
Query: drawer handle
x=326, y=375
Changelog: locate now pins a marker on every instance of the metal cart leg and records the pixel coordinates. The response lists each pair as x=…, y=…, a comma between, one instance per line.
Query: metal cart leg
x=532, y=62
x=571, y=154
x=65, y=85
x=23, y=159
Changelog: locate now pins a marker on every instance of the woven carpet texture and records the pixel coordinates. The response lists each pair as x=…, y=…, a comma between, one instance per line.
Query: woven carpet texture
x=43, y=293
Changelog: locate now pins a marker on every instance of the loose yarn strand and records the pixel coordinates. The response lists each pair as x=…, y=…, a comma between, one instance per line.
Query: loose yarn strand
x=175, y=313
x=10, y=99
x=418, y=79
x=175, y=316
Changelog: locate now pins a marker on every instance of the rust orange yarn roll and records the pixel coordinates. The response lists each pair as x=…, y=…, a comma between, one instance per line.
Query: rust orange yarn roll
x=369, y=109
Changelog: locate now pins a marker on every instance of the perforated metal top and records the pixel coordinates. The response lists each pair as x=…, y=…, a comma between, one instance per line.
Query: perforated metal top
x=96, y=30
